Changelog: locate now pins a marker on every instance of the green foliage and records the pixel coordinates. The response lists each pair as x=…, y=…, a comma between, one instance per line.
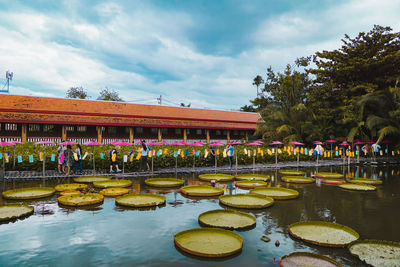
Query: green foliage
x=109, y=95
x=77, y=92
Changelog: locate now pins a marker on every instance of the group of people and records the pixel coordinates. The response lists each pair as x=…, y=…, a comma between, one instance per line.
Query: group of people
x=67, y=158
x=144, y=150
x=230, y=151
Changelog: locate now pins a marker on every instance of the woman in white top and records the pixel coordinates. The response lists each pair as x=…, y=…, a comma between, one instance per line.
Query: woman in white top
x=143, y=159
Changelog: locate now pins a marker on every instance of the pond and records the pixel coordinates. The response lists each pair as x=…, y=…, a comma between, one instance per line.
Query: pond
x=111, y=235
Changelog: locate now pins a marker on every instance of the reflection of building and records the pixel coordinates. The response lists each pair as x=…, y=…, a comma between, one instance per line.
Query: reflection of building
x=30, y=118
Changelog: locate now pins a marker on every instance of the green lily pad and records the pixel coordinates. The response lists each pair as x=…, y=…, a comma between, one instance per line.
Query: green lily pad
x=164, y=182
x=308, y=259
x=14, y=211
x=358, y=187
x=29, y=193
x=323, y=233
x=113, y=183
x=81, y=200
x=114, y=191
x=276, y=192
x=209, y=242
x=65, y=187
x=251, y=177
x=291, y=172
x=328, y=175
x=219, y=177
x=297, y=179
x=227, y=219
x=250, y=184
x=202, y=190
x=246, y=201
x=376, y=252
x=91, y=179
x=365, y=181
x=140, y=200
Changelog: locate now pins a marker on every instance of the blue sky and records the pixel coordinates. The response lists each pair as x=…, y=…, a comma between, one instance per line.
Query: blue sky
x=201, y=52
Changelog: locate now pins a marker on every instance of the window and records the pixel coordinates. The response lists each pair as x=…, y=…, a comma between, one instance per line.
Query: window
x=187, y=131
x=34, y=127
x=164, y=130
x=198, y=131
x=48, y=128
x=224, y=132
x=235, y=132
x=70, y=128
x=81, y=128
x=139, y=129
x=154, y=130
x=241, y=132
x=102, y=128
x=127, y=129
x=112, y=130
x=178, y=131
x=10, y=127
x=217, y=132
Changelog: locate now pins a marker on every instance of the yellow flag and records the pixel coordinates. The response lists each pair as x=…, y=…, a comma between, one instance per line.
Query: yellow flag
x=262, y=153
x=324, y=154
x=245, y=151
x=329, y=154
x=7, y=159
x=224, y=153
x=279, y=151
x=218, y=152
x=284, y=148
x=258, y=150
x=340, y=152
x=40, y=156
x=249, y=153
x=352, y=154
x=150, y=154
x=205, y=153
x=182, y=154
x=131, y=158
x=289, y=153
x=302, y=150
x=165, y=151
x=138, y=156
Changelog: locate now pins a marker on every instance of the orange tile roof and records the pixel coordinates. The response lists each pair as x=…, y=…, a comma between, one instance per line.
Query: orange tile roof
x=73, y=111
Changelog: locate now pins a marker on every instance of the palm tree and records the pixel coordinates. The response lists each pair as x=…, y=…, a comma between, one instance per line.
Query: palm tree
x=257, y=81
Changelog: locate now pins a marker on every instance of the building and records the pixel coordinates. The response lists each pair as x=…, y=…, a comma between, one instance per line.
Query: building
x=28, y=118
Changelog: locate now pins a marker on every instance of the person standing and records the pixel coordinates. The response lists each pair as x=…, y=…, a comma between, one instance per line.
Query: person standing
x=60, y=155
x=230, y=150
x=143, y=159
x=78, y=159
x=68, y=159
x=213, y=156
x=113, y=159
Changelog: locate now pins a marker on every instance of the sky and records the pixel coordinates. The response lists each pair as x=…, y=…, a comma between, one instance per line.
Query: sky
x=201, y=52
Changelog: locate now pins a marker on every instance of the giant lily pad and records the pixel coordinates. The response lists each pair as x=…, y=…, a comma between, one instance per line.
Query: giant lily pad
x=250, y=184
x=365, y=181
x=140, y=200
x=114, y=191
x=358, y=187
x=307, y=259
x=14, y=211
x=297, y=179
x=333, y=181
x=202, y=190
x=276, y=192
x=219, y=177
x=65, y=187
x=251, y=176
x=227, y=219
x=247, y=201
x=91, y=179
x=323, y=233
x=376, y=252
x=209, y=242
x=291, y=172
x=328, y=175
x=70, y=192
x=164, y=182
x=81, y=200
x=29, y=193
x=113, y=183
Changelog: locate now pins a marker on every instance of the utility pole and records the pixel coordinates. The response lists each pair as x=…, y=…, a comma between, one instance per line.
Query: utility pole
x=9, y=77
x=159, y=99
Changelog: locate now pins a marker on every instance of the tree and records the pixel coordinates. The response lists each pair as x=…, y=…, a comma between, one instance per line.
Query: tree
x=257, y=81
x=77, y=92
x=109, y=95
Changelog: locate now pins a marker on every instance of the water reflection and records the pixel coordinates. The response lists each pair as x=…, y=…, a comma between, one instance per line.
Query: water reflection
x=109, y=234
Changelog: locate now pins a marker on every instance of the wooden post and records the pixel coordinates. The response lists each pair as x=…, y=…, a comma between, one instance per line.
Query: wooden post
x=208, y=135
x=228, y=136
x=100, y=134
x=184, y=135
x=131, y=139
x=64, y=132
x=159, y=135
x=247, y=137
x=24, y=132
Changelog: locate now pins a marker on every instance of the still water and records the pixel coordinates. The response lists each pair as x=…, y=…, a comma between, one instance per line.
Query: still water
x=111, y=235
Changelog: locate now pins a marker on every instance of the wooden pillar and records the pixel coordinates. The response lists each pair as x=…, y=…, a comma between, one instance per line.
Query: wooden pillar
x=184, y=135
x=247, y=136
x=100, y=134
x=24, y=131
x=64, y=132
x=228, y=136
x=159, y=135
x=208, y=136
x=131, y=139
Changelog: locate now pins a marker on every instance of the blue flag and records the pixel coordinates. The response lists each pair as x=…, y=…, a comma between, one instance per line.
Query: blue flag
x=19, y=159
x=53, y=157
x=198, y=153
x=305, y=151
x=176, y=154
x=337, y=153
x=101, y=155
x=186, y=152
x=30, y=158
x=1, y=156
